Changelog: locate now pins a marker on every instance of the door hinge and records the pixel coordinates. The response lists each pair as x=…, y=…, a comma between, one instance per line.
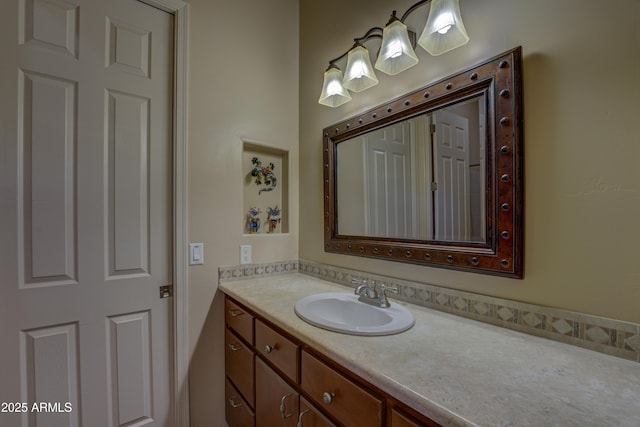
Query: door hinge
x=433, y=128
x=166, y=291
x=434, y=186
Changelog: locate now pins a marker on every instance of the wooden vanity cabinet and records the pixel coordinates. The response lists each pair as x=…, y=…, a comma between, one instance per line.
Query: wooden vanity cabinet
x=275, y=380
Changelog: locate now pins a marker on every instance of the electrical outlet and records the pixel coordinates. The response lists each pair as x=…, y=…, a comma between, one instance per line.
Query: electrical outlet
x=245, y=254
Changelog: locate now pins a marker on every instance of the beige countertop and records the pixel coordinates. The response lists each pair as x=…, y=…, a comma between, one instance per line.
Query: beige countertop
x=459, y=371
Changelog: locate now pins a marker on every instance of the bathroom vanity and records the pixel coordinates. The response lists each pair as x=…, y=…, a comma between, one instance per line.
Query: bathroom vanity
x=275, y=379
x=445, y=370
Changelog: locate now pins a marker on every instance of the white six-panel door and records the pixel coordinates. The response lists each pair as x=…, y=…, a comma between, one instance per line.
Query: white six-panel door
x=452, y=213
x=85, y=213
x=390, y=188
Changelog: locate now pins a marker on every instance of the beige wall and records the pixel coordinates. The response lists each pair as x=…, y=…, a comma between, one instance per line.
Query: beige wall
x=582, y=144
x=243, y=84
x=581, y=83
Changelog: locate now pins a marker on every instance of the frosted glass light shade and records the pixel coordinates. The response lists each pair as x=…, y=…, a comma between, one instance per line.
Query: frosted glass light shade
x=444, y=30
x=333, y=93
x=396, y=53
x=359, y=74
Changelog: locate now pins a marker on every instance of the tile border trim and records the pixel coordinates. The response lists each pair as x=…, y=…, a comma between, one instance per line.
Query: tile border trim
x=614, y=337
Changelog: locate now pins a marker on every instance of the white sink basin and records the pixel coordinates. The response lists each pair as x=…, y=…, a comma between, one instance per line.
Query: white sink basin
x=342, y=312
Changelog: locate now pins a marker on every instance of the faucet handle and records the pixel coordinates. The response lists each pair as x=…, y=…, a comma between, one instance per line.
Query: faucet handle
x=358, y=281
x=384, y=288
x=383, y=301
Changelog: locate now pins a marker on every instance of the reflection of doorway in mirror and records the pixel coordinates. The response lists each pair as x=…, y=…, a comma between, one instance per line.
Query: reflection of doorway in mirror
x=458, y=159
x=390, y=182
x=451, y=171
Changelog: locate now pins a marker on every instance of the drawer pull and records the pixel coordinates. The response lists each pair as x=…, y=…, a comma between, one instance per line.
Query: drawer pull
x=234, y=347
x=283, y=407
x=233, y=402
x=269, y=348
x=328, y=397
x=235, y=313
x=300, y=417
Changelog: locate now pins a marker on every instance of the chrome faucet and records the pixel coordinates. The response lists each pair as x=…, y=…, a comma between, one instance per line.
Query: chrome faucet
x=364, y=290
x=369, y=295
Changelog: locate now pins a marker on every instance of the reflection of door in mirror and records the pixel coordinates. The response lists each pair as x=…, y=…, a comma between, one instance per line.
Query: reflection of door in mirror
x=390, y=182
x=458, y=158
x=378, y=194
x=452, y=219
x=422, y=178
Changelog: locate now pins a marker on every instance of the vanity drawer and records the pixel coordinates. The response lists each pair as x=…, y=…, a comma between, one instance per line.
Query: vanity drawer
x=336, y=394
x=237, y=412
x=239, y=366
x=239, y=320
x=280, y=351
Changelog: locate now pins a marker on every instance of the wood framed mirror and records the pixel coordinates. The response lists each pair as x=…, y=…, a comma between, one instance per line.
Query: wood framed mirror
x=434, y=177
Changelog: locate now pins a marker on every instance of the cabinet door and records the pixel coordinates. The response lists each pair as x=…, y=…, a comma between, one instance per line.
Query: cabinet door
x=311, y=417
x=276, y=401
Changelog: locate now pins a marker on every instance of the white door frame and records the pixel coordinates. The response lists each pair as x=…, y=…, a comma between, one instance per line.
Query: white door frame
x=180, y=392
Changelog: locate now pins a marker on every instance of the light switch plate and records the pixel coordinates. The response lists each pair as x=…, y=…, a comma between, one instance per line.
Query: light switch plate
x=196, y=253
x=245, y=254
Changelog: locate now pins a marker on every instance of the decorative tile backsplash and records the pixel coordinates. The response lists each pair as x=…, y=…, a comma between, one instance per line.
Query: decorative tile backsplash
x=249, y=271
x=614, y=337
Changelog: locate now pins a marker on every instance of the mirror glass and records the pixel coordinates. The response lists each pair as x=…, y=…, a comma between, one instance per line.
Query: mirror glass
x=435, y=176
x=422, y=178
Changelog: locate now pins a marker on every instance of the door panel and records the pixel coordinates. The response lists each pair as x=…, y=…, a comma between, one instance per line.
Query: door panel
x=49, y=361
x=86, y=212
x=129, y=368
x=46, y=206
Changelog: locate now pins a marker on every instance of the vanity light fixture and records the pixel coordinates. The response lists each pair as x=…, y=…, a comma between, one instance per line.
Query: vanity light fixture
x=443, y=32
x=333, y=92
x=396, y=51
x=359, y=73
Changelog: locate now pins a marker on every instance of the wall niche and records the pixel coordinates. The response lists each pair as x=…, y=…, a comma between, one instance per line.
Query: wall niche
x=265, y=189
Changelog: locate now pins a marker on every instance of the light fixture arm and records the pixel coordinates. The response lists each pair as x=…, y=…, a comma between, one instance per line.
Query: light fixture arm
x=375, y=32
x=413, y=8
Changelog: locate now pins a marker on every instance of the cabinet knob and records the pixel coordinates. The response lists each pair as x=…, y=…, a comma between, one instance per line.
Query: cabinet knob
x=235, y=313
x=328, y=397
x=234, y=347
x=269, y=348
